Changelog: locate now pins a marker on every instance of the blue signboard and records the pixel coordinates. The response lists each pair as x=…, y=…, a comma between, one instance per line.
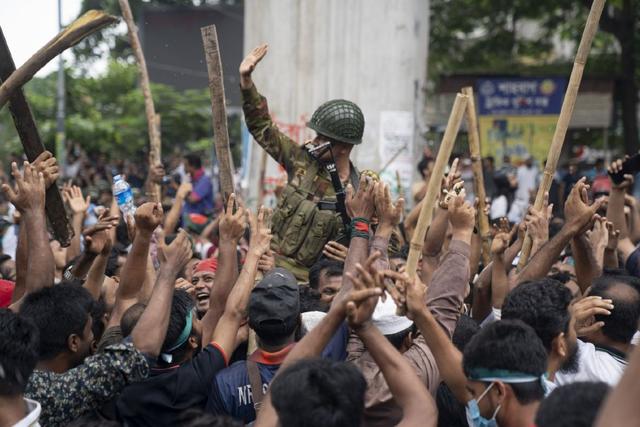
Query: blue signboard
x=520, y=96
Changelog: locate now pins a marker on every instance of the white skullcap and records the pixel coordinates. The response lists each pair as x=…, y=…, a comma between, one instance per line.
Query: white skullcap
x=310, y=319
x=385, y=317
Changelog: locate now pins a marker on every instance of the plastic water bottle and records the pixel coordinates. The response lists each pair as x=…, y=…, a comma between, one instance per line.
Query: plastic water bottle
x=124, y=196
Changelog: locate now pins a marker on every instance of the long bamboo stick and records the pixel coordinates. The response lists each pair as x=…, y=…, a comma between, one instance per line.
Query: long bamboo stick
x=89, y=23
x=218, y=109
x=478, y=177
x=590, y=29
x=433, y=188
x=150, y=110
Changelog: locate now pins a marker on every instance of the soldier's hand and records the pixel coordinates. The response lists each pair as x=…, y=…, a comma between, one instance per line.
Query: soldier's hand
x=28, y=194
x=249, y=64
x=361, y=205
x=335, y=251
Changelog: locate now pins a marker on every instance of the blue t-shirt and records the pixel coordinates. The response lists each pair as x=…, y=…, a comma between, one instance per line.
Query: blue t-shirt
x=231, y=389
x=203, y=192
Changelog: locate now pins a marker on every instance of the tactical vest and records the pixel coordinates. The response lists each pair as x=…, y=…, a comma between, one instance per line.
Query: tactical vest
x=305, y=219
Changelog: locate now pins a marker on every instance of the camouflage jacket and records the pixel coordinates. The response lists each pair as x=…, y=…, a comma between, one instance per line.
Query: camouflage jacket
x=305, y=218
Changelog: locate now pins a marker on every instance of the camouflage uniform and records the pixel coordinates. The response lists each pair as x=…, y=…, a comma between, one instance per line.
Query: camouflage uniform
x=305, y=218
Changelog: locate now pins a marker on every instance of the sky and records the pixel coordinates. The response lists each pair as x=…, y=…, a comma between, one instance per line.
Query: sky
x=29, y=24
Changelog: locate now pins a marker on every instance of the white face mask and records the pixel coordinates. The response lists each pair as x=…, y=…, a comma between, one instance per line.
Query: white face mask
x=474, y=419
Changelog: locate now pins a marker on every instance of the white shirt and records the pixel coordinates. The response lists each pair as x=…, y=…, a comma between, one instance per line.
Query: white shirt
x=595, y=364
x=498, y=207
x=527, y=179
x=31, y=420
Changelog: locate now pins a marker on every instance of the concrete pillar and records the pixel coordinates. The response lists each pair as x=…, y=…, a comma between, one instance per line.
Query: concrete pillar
x=371, y=52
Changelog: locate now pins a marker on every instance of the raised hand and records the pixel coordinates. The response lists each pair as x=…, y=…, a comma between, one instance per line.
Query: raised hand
x=335, y=251
x=29, y=190
x=233, y=224
x=389, y=214
x=598, y=236
x=461, y=215
x=185, y=285
x=267, y=262
x=361, y=204
x=72, y=194
x=448, y=195
x=616, y=167
x=503, y=235
x=97, y=238
x=577, y=210
x=183, y=190
x=584, y=312
x=613, y=236
x=48, y=165
x=249, y=63
x=148, y=217
x=452, y=178
x=537, y=221
x=260, y=232
x=413, y=292
x=177, y=254
x=361, y=301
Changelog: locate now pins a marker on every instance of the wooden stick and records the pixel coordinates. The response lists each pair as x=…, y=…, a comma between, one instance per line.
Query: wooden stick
x=435, y=181
x=33, y=147
x=218, y=109
x=87, y=24
x=590, y=29
x=478, y=177
x=153, y=123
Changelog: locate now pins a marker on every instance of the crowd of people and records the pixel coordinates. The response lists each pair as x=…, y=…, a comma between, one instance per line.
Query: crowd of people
x=192, y=314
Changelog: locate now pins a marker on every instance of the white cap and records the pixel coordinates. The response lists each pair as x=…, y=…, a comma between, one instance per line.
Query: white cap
x=385, y=317
x=310, y=319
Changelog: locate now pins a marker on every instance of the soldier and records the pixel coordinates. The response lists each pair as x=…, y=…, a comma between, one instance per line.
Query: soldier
x=311, y=210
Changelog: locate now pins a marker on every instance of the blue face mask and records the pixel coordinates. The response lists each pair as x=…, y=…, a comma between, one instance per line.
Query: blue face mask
x=474, y=419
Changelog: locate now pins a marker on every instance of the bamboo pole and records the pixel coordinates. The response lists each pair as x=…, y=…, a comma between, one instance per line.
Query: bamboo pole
x=87, y=24
x=435, y=181
x=590, y=29
x=218, y=109
x=153, y=121
x=478, y=177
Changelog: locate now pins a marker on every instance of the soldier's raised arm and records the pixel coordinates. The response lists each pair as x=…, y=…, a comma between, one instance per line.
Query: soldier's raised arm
x=256, y=113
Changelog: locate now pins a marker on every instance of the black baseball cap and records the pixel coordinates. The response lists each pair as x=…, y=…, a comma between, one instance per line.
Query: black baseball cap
x=274, y=306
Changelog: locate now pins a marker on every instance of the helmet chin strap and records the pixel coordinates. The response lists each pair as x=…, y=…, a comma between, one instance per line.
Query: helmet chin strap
x=318, y=150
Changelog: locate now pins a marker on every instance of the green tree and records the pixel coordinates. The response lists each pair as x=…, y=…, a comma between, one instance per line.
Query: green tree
x=482, y=37
x=106, y=114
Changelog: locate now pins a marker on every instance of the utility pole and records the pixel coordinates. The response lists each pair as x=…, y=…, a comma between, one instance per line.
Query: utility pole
x=61, y=152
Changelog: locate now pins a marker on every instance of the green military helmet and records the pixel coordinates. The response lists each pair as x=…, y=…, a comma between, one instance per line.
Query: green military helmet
x=340, y=120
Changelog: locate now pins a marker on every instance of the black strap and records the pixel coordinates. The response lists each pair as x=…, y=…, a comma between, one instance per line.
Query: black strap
x=256, y=385
x=341, y=207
